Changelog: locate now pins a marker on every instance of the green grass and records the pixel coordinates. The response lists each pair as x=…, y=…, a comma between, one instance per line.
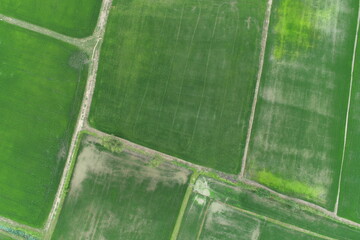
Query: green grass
x=179, y=76
x=299, y=123
x=40, y=96
x=349, y=202
x=119, y=196
x=283, y=185
x=262, y=205
x=74, y=18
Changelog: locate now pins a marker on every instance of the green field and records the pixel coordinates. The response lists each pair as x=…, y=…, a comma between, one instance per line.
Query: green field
x=41, y=90
x=298, y=131
x=74, y=18
x=245, y=212
x=349, y=202
x=4, y=236
x=120, y=195
x=226, y=223
x=179, y=77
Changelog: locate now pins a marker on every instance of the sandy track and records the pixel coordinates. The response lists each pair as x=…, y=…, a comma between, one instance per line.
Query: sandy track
x=79, y=42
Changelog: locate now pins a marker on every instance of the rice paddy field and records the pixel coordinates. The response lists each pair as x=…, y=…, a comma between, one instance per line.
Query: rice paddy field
x=298, y=132
x=227, y=223
x=210, y=82
x=40, y=94
x=179, y=77
x=74, y=18
x=219, y=211
x=349, y=201
x=120, y=195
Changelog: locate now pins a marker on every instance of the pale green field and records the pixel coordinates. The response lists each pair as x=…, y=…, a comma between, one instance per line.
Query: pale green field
x=120, y=196
x=219, y=211
x=349, y=202
x=297, y=137
x=226, y=223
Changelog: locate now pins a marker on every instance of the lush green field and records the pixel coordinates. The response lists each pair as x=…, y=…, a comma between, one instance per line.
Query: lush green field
x=74, y=18
x=297, y=138
x=120, y=196
x=249, y=210
x=349, y=204
x=179, y=77
x=40, y=95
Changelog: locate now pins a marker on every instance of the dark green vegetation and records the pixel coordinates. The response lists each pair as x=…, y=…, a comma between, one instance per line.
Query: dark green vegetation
x=40, y=96
x=219, y=211
x=297, y=138
x=349, y=202
x=120, y=195
x=179, y=76
x=76, y=18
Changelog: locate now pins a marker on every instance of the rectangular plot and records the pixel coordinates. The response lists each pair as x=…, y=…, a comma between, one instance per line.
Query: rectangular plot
x=179, y=77
x=349, y=204
x=120, y=196
x=271, y=231
x=216, y=220
x=262, y=204
x=298, y=131
x=74, y=18
x=223, y=222
x=40, y=96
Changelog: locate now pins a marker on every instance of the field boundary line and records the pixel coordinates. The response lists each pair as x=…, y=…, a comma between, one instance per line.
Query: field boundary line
x=277, y=222
x=99, y=133
x=258, y=80
x=231, y=178
x=79, y=42
x=184, y=204
x=82, y=117
x=347, y=112
x=15, y=224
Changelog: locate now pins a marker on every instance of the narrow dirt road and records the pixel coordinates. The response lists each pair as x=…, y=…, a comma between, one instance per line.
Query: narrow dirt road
x=85, y=107
x=79, y=42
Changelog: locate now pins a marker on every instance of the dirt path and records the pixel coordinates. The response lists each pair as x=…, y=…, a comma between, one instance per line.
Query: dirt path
x=229, y=177
x=19, y=225
x=79, y=42
x=85, y=107
x=258, y=80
